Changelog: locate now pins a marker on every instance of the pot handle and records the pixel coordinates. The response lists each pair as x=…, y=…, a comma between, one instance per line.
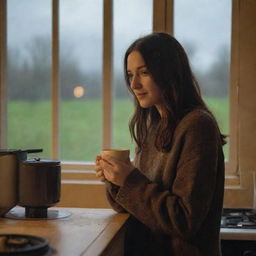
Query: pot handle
x=37, y=150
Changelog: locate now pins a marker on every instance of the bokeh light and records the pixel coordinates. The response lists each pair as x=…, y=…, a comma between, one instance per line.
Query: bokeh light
x=79, y=91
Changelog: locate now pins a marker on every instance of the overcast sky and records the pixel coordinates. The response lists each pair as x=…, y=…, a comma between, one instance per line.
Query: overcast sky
x=203, y=23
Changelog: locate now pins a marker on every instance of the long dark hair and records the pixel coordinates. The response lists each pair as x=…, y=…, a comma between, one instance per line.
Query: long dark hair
x=168, y=64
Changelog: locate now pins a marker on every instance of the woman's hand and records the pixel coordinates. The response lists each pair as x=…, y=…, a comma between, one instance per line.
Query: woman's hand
x=115, y=171
x=99, y=170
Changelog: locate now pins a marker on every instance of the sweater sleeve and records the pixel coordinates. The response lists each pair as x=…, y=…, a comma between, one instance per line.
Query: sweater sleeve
x=182, y=208
x=111, y=192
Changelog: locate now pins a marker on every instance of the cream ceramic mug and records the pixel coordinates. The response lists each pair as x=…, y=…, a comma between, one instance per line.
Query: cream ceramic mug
x=119, y=154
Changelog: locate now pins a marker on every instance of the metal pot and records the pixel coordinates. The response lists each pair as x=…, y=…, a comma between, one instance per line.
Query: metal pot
x=9, y=164
x=39, y=185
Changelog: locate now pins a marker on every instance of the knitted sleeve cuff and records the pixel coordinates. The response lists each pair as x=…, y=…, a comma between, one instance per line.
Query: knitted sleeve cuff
x=133, y=180
x=112, y=188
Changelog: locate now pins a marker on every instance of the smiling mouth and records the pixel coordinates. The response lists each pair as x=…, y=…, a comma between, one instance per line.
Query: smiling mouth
x=139, y=95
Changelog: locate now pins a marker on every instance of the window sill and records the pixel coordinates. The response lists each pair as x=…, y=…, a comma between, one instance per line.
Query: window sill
x=232, y=181
x=76, y=183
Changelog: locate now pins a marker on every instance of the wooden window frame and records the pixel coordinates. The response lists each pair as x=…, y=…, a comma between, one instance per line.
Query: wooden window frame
x=162, y=21
x=240, y=166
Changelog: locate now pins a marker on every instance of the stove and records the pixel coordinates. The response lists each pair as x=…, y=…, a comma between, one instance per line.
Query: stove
x=24, y=245
x=238, y=227
x=241, y=218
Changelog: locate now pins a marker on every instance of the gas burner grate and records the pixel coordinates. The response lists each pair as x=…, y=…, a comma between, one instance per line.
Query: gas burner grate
x=238, y=218
x=20, y=244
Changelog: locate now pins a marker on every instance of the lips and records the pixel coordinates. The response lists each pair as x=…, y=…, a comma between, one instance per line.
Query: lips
x=140, y=95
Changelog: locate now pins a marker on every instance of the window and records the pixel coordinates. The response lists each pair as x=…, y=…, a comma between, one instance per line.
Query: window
x=47, y=116
x=29, y=74
x=33, y=110
x=128, y=25
x=204, y=29
x=91, y=89
x=80, y=79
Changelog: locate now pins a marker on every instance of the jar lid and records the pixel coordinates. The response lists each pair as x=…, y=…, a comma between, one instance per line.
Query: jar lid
x=41, y=162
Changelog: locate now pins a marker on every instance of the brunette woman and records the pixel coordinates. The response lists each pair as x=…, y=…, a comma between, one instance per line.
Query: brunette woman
x=173, y=190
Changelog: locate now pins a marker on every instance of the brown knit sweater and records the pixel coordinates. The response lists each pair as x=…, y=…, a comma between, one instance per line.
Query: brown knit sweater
x=175, y=198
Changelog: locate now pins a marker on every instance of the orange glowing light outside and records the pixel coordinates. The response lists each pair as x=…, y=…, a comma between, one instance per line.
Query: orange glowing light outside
x=79, y=91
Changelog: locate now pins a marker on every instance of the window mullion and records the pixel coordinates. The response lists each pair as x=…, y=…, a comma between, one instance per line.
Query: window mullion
x=3, y=88
x=232, y=165
x=107, y=72
x=163, y=16
x=55, y=79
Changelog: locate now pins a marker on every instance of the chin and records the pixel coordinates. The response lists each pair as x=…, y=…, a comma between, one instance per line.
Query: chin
x=145, y=105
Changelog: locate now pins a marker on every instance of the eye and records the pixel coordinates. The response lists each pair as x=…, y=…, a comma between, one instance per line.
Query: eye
x=144, y=72
x=130, y=76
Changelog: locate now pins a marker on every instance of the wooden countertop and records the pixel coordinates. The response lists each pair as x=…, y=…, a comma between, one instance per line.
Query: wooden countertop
x=86, y=232
x=89, y=232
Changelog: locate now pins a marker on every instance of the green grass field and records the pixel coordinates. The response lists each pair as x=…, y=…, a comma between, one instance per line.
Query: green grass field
x=29, y=126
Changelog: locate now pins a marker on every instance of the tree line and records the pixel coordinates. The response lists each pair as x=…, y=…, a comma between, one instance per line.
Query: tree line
x=29, y=74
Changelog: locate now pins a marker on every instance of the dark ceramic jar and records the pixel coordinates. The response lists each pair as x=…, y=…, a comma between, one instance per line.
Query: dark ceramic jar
x=39, y=184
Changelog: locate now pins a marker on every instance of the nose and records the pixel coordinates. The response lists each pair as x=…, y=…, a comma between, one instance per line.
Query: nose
x=135, y=82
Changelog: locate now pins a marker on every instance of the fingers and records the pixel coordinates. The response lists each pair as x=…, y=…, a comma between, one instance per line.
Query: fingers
x=107, y=157
x=99, y=171
x=107, y=161
x=107, y=166
x=98, y=168
x=100, y=174
x=98, y=158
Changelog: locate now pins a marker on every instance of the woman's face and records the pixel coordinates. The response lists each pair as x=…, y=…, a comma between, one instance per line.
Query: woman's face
x=142, y=84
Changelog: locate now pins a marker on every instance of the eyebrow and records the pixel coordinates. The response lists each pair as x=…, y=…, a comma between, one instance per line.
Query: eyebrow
x=138, y=68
